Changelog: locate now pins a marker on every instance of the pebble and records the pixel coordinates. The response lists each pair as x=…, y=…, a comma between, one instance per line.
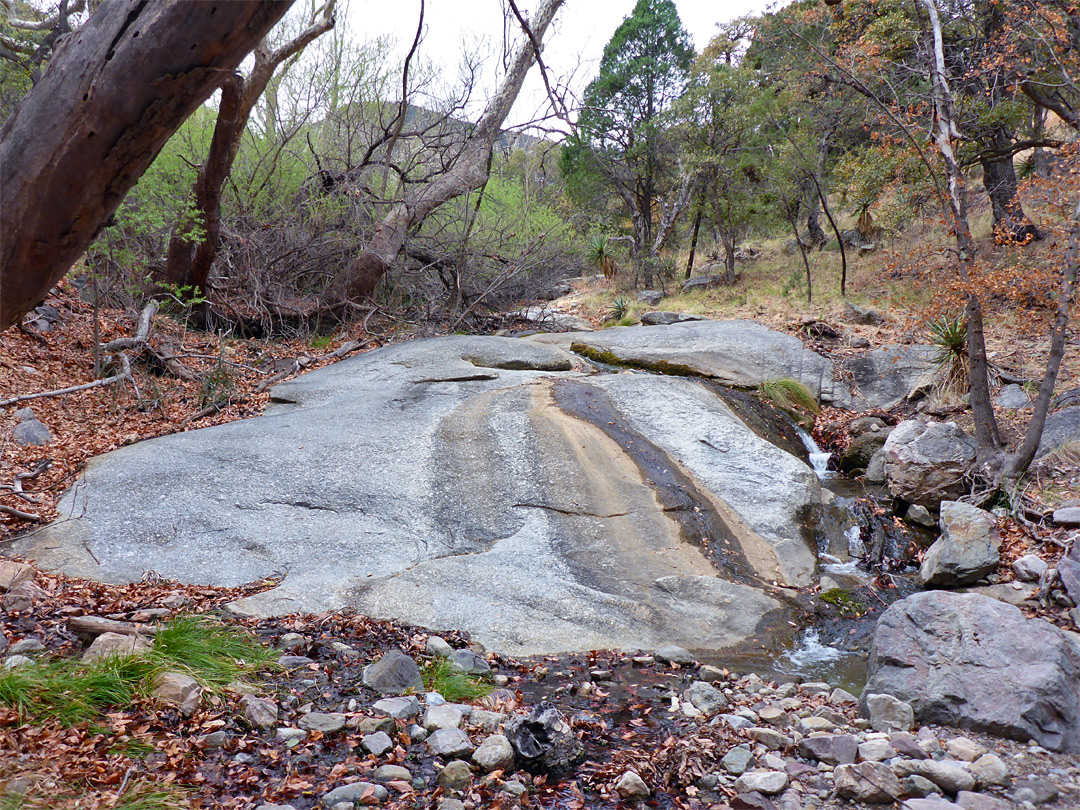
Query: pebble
x=631, y=786
x=378, y=743
x=392, y=773
x=456, y=775
x=495, y=753
x=326, y=722
x=765, y=782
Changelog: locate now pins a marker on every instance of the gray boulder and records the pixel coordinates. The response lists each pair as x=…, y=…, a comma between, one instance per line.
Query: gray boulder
x=31, y=433
x=650, y=297
x=702, y=283
x=969, y=547
x=969, y=661
x=886, y=376
x=1012, y=397
x=854, y=313
x=928, y=463
x=395, y=673
x=869, y=782
x=1061, y=428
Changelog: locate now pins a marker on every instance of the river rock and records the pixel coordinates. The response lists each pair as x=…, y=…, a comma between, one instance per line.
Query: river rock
x=1061, y=428
x=445, y=716
x=948, y=654
x=456, y=775
x=631, y=786
x=737, y=760
x=861, y=450
x=400, y=708
x=832, y=749
x=449, y=743
x=259, y=712
x=951, y=777
x=869, y=782
x=377, y=744
x=439, y=647
x=764, y=782
x=889, y=714
x=355, y=793
x=1029, y=567
x=109, y=644
x=928, y=463
x=326, y=722
x=468, y=662
x=969, y=547
x=394, y=673
x=990, y=770
x=706, y=697
x=502, y=494
x=23, y=597
x=179, y=689
x=674, y=654
x=494, y=754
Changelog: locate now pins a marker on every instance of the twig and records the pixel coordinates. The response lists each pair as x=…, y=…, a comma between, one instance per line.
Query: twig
x=11, y=510
x=345, y=348
x=209, y=410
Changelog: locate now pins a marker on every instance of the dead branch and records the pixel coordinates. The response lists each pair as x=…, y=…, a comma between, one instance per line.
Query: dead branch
x=11, y=510
x=141, y=334
x=125, y=374
x=94, y=626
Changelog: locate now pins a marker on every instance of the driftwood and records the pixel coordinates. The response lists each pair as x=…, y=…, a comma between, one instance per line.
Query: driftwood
x=91, y=626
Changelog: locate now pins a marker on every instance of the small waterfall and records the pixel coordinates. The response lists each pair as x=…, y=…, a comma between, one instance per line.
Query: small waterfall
x=819, y=459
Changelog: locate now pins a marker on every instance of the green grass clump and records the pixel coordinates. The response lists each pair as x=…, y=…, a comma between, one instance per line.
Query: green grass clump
x=789, y=394
x=139, y=795
x=73, y=692
x=455, y=686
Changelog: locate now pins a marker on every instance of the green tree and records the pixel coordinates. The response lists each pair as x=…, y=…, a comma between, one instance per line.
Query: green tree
x=623, y=134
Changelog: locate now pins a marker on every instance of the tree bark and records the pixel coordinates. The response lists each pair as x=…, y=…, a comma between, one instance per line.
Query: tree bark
x=189, y=259
x=468, y=173
x=693, y=243
x=113, y=94
x=1011, y=224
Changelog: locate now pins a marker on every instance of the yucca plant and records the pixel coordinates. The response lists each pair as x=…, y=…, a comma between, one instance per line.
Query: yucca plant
x=600, y=255
x=948, y=335
x=619, y=309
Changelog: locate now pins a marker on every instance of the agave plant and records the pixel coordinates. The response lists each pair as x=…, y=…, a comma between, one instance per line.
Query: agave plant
x=949, y=338
x=619, y=309
x=600, y=255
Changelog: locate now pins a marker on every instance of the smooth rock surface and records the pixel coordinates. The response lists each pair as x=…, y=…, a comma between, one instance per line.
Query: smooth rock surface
x=968, y=661
x=885, y=376
x=1061, y=428
x=519, y=504
x=928, y=463
x=969, y=547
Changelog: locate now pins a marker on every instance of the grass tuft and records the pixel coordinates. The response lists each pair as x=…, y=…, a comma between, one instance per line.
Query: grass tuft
x=455, y=686
x=71, y=691
x=789, y=394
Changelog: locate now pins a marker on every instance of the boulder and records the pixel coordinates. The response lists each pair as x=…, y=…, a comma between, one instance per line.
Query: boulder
x=1061, y=428
x=395, y=673
x=973, y=662
x=969, y=547
x=178, y=689
x=853, y=313
x=928, y=463
x=702, y=283
x=650, y=297
x=861, y=450
x=886, y=376
x=31, y=433
x=13, y=574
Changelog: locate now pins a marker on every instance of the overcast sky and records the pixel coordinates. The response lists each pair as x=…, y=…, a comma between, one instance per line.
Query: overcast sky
x=573, y=47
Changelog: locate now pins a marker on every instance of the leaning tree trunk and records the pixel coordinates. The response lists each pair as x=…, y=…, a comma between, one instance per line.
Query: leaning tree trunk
x=191, y=254
x=469, y=172
x=1010, y=222
x=111, y=97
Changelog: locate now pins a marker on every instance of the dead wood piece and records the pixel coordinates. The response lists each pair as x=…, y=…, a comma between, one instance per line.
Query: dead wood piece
x=142, y=332
x=92, y=626
x=166, y=354
x=125, y=374
x=11, y=510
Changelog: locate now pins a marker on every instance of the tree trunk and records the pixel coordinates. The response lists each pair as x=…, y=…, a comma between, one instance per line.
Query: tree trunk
x=111, y=97
x=190, y=259
x=693, y=244
x=729, y=256
x=469, y=172
x=813, y=226
x=191, y=247
x=1011, y=224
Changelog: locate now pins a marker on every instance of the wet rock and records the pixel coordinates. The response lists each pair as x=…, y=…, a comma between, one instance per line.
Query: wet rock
x=888, y=713
x=110, y=644
x=951, y=777
x=770, y=738
x=764, y=782
x=377, y=744
x=13, y=574
x=355, y=793
x=706, y=697
x=861, y=450
x=178, y=689
x=449, y=743
x=543, y=740
x=969, y=547
x=869, y=782
x=456, y=775
x=1029, y=567
x=948, y=655
x=259, y=712
x=875, y=469
x=928, y=463
x=920, y=516
x=394, y=673
x=495, y=753
x=326, y=722
x=631, y=786
x=674, y=655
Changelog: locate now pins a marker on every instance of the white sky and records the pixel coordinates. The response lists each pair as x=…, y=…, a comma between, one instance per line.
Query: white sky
x=573, y=46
